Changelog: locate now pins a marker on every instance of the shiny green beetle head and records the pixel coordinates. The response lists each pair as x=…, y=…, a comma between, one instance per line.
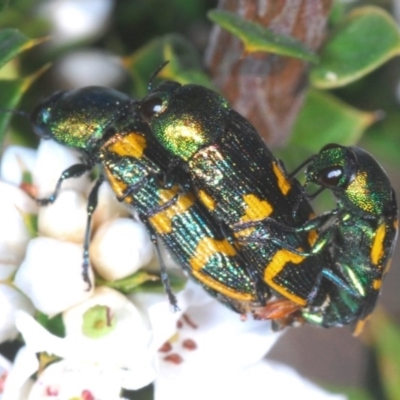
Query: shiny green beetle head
x=80, y=118
x=185, y=118
x=355, y=178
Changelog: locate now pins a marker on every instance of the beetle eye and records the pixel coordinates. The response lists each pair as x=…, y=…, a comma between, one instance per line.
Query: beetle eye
x=151, y=107
x=330, y=177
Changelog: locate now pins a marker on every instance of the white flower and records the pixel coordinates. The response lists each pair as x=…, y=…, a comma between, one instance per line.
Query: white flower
x=105, y=336
x=66, y=218
x=18, y=383
x=14, y=161
x=90, y=18
x=11, y=300
x=51, y=275
x=64, y=380
x=108, y=207
x=15, y=205
x=52, y=160
x=131, y=244
x=110, y=330
x=215, y=355
x=5, y=367
x=210, y=353
x=50, y=267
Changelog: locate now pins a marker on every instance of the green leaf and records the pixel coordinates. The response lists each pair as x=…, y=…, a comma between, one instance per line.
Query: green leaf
x=10, y=95
x=356, y=394
x=54, y=325
x=143, y=281
x=184, y=64
x=386, y=343
x=31, y=223
x=13, y=42
x=383, y=139
x=325, y=119
x=11, y=92
x=130, y=283
x=351, y=393
x=257, y=38
x=46, y=359
x=337, y=13
x=366, y=39
x=177, y=284
x=175, y=70
x=4, y=4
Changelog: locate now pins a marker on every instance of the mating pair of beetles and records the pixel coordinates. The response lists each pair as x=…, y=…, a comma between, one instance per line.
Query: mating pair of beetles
x=205, y=184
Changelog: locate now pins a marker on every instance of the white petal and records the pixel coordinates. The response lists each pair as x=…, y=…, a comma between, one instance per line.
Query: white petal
x=119, y=248
x=14, y=235
x=160, y=315
x=108, y=207
x=6, y=270
x=13, y=198
x=125, y=346
x=66, y=218
x=11, y=300
x=89, y=16
x=219, y=330
x=18, y=383
x=5, y=365
x=166, y=256
x=283, y=381
x=226, y=353
x=90, y=67
x=38, y=339
x=129, y=323
x=66, y=380
x=196, y=296
x=15, y=161
x=51, y=275
x=224, y=380
x=52, y=160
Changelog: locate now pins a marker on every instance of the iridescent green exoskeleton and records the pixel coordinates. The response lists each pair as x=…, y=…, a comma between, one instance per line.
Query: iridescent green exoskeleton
x=240, y=182
x=361, y=231
x=105, y=127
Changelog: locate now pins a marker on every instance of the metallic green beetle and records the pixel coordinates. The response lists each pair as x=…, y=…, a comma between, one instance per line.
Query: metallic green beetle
x=361, y=231
x=240, y=181
x=105, y=127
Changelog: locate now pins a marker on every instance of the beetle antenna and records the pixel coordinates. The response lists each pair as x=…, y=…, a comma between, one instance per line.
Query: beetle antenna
x=155, y=73
x=17, y=112
x=300, y=167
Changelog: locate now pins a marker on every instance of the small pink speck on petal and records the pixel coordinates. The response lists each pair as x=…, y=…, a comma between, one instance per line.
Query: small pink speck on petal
x=165, y=348
x=174, y=359
x=87, y=395
x=189, y=344
x=52, y=391
x=3, y=378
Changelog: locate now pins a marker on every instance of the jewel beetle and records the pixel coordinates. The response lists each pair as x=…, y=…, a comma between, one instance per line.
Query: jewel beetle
x=361, y=231
x=105, y=127
x=239, y=181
